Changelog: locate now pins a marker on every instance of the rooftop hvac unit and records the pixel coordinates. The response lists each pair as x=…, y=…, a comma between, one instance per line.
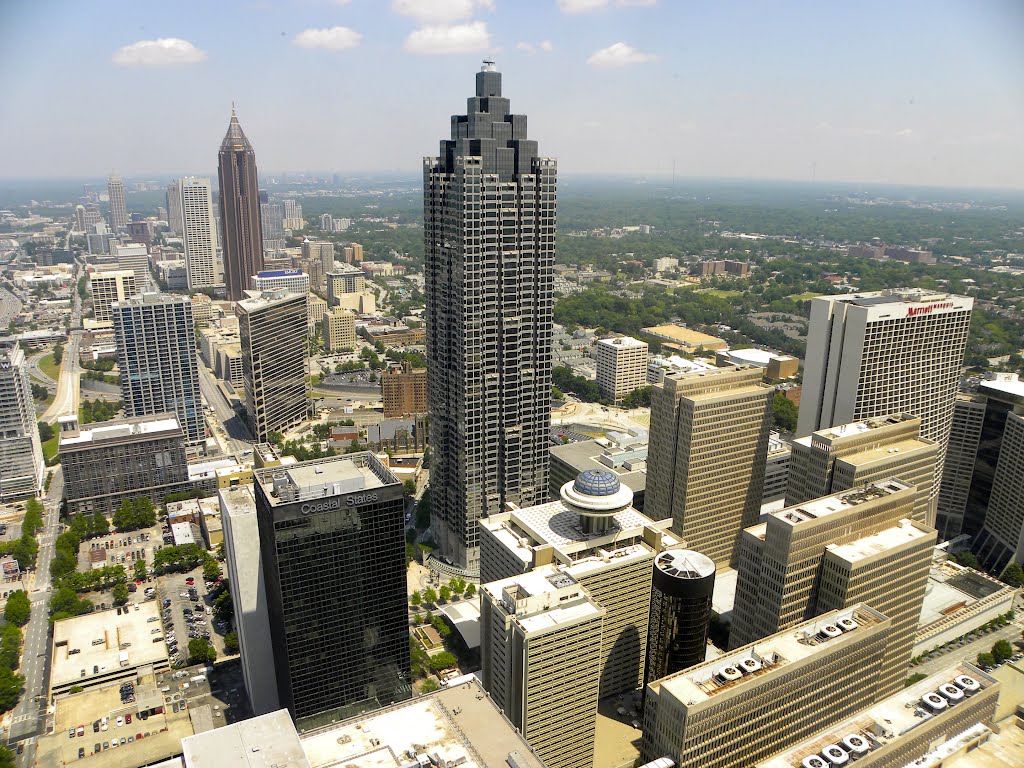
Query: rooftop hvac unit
x=814, y=761
x=856, y=744
x=969, y=684
x=750, y=665
x=830, y=631
x=728, y=673
x=951, y=692
x=847, y=624
x=933, y=701
x=835, y=755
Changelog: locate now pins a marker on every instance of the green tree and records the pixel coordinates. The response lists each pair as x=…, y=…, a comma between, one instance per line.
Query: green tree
x=638, y=398
x=1013, y=574
x=211, y=570
x=443, y=660
x=223, y=606
x=415, y=600
x=65, y=603
x=141, y=572
x=429, y=685
x=458, y=585
x=18, y=609
x=275, y=438
x=200, y=651
x=967, y=559
x=409, y=487
x=430, y=596
x=46, y=432
x=10, y=646
x=986, y=660
x=784, y=413
x=231, y=642
x=914, y=678
x=6, y=758
x=120, y=594
x=11, y=684
x=471, y=589
x=1002, y=650
x=58, y=353
x=445, y=593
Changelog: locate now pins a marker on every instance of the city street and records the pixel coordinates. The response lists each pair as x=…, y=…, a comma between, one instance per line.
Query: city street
x=10, y=307
x=239, y=438
x=969, y=652
x=28, y=718
x=68, y=390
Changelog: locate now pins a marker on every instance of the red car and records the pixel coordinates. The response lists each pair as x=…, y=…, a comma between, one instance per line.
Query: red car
x=190, y=581
x=127, y=719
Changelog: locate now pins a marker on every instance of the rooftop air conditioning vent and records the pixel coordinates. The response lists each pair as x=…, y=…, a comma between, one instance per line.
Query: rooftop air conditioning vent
x=856, y=744
x=950, y=692
x=969, y=684
x=750, y=665
x=830, y=631
x=835, y=755
x=728, y=673
x=933, y=701
x=847, y=625
x=814, y=761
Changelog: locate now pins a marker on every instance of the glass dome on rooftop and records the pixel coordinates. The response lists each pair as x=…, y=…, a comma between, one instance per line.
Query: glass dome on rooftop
x=597, y=482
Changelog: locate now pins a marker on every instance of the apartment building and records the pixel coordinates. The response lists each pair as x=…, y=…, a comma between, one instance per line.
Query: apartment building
x=21, y=452
x=404, y=390
x=108, y=287
x=339, y=330
x=621, y=366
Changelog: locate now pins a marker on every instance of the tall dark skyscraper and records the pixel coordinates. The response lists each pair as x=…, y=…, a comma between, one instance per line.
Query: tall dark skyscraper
x=489, y=237
x=239, y=210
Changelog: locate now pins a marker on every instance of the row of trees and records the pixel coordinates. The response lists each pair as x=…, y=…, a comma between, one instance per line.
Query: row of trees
x=25, y=548
x=134, y=514
x=454, y=588
x=185, y=557
x=92, y=411
x=1001, y=651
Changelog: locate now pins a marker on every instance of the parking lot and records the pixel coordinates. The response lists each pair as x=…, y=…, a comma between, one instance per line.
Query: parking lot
x=120, y=549
x=187, y=612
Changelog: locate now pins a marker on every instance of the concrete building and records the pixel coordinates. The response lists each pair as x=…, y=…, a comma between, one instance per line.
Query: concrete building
x=404, y=390
x=342, y=279
x=707, y=457
x=118, y=209
x=239, y=210
x=108, y=462
x=199, y=232
x=332, y=541
x=249, y=596
x=156, y=360
x=292, y=280
x=828, y=553
x=322, y=252
x=775, y=366
x=621, y=366
x=338, y=329
x=665, y=263
x=776, y=469
x=352, y=253
x=894, y=351
x=659, y=367
x=750, y=703
x=685, y=339
x=175, y=222
x=623, y=454
x=489, y=210
x=108, y=287
x=21, y=452
x=87, y=217
x=913, y=727
x=527, y=624
x=273, y=328
x=958, y=468
x=850, y=455
x=362, y=303
x=316, y=308
x=1002, y=537
x=593, y=534
x=133, y=256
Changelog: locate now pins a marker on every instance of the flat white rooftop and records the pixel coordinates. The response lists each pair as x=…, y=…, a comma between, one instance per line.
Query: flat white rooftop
x=323, y=477
x=844, y=500
x=267, y=741
x=1015, y=388
x=154, y=426
x=877, y=543
x=623, y=342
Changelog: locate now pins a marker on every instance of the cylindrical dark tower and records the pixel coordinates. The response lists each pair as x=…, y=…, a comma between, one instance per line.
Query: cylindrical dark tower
x=677, y=635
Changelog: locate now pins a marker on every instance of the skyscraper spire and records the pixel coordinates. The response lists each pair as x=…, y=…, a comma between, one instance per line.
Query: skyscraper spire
x=239, y=210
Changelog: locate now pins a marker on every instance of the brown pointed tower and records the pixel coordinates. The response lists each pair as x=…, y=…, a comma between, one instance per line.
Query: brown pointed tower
x=239, y=210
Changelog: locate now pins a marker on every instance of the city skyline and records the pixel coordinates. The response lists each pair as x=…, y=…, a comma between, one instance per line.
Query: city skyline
x=779, y=94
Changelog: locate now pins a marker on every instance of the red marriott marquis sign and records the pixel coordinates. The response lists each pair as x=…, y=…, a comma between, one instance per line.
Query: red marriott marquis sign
x=911, y=311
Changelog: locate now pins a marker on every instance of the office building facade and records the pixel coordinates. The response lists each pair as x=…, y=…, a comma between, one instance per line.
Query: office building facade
x=108, y=287
x=239, y=210
x=273, y=329
x=962, y=453
x=341, y=282
x=134, y=257
x=199, y=232
x=849, y=455
x=294, y=280
x=333, y=548
x=895, y=351
x=489, y=244
x=707, y=454
x=621, y=366
x=118, y=208
x=111, y=461
x=404, y=390
x=156, y=360
x=754, y=701
x=1002, y=536
x=527, y=624
x=338, y=329
x=21, y=452
x=175, y=222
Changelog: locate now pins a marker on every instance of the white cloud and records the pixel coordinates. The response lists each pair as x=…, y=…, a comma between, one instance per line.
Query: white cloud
x=525, y=47
x=332, y=38
x=159, y=52
x=546, y=46
x=543, y=45
x=440, y=11
x=460, y=38
x=619, y=55
x=587, y=6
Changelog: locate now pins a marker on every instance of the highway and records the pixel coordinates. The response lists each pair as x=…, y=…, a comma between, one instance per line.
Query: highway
x=238, y=437
x=10, y=308
x=69, y=384
x=28, y=718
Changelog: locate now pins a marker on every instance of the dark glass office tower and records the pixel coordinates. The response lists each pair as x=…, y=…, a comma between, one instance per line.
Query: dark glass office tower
x=333, y=549
x=489, y=237
x=239, y=210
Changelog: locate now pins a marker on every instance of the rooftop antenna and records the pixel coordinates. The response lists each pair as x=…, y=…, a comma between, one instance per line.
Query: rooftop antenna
x=488, y=66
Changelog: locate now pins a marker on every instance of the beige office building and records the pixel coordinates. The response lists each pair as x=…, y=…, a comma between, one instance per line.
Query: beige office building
x=540, y=640
x=342, y=281
x=404, y=390
x=851, y=547
x=108, y=287
x=621, y=366
x=339, y=330
x=836, y=458
x=273, y=331
x=133, y=256
x=593, y=534
x=316, y=309
x=766, y=696
x=706, y=461
x=352, y=253
x=934, y=720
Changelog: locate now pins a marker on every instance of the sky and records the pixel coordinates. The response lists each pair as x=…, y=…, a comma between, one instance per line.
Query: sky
x=922, y=92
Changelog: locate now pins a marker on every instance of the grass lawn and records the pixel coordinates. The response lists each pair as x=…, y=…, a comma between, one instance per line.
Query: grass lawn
x=50, y=448
x=721, y=293
x=49, y=367
x=805, y=296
